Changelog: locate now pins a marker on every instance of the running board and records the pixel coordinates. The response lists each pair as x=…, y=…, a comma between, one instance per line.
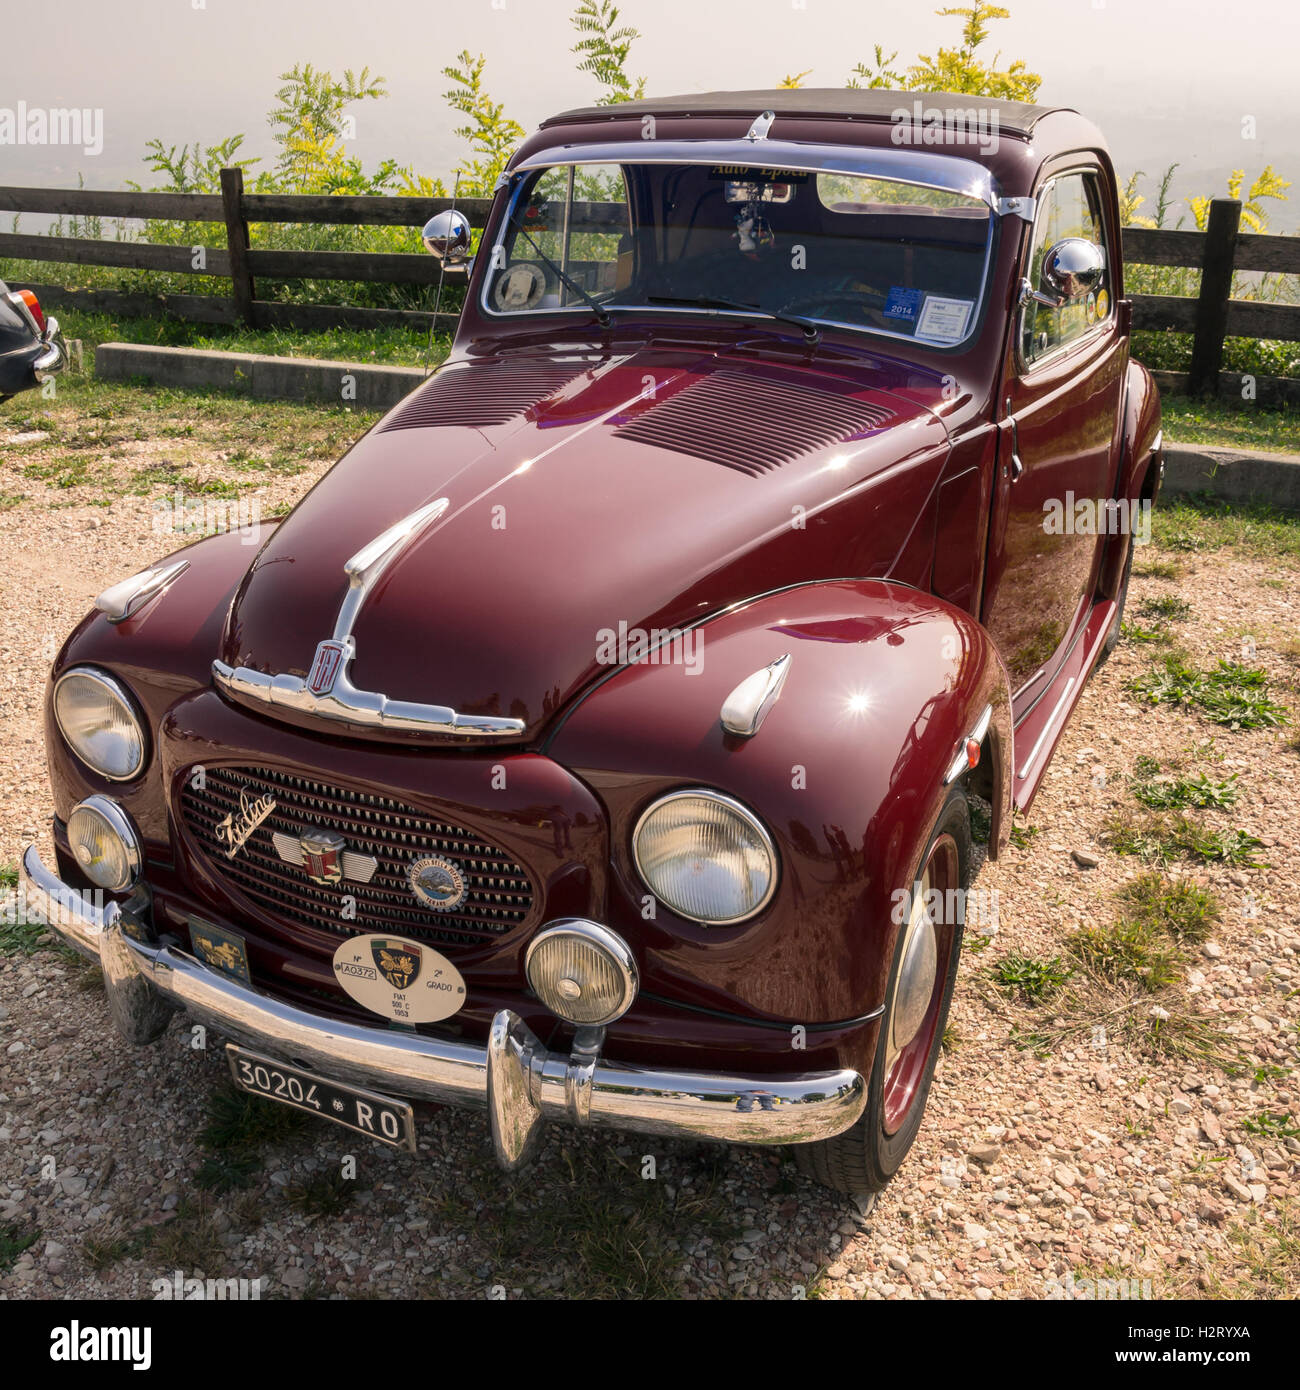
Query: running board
x=1039, y=732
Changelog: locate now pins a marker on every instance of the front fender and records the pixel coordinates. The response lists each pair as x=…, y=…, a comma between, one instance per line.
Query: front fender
x=161, y=653
x=847, y=771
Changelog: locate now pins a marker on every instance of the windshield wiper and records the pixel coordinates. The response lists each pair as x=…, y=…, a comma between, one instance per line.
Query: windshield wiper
x=811, y=329
x=602, y=314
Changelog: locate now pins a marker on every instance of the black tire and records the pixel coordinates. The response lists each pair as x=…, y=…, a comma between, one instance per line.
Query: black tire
x=1112, y=637
x=864, y=1158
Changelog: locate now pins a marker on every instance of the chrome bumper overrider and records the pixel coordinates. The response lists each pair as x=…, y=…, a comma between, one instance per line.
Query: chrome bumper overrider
x=54, y=354
x=514, y=1076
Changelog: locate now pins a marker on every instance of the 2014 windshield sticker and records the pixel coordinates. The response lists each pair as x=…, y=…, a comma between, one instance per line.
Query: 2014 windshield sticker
x=943, y=320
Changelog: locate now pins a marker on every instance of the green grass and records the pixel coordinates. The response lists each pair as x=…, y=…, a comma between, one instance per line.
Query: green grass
x=18, y=934
x=1202, y=524
x=1160, y=839
x=1022, y=835
x=1128, y=950
x=1178, y=793
x=406, y=347
x=1169, y=608
x=1181, y=910
x=1269, y=1125
x=13, y=1241
x=1233, y=424
x=1261, y=1259
x=1030, y=978
x=324, y=1194
x=103, y=1250
x=1158, y=636
x=1157, y=569
x=238, y=1122
x=1230, y=694
x=99, y=440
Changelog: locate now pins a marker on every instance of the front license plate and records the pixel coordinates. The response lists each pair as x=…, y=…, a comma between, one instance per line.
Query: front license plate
x=389, y=1121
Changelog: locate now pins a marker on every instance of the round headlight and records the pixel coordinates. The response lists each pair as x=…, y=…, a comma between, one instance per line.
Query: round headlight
x=706, y=856
x=96, y=718
x=582, y=972
x=104, y=844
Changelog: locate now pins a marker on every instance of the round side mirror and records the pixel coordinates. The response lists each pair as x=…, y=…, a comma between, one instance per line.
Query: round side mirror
x=446, y=235
x=1073, y=267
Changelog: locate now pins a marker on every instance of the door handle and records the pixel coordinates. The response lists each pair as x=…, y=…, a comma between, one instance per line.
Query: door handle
x=1017, y=463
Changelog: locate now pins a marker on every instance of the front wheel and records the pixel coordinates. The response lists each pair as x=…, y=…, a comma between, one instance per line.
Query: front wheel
x=864, y=1158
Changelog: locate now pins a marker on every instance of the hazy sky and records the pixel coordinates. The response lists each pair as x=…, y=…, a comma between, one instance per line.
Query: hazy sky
x=1165, y=79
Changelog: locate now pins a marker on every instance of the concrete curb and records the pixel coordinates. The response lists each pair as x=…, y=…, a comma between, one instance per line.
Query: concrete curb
x=1233, y=475
x=261, y=376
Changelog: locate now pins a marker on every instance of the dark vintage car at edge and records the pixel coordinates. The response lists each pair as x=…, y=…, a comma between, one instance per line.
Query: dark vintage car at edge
x=31, y=346
x=570, y=748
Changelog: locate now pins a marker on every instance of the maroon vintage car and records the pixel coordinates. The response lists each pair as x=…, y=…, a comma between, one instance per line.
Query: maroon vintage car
x=594, y=742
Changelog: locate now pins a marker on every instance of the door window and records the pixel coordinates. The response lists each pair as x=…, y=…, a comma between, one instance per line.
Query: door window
x=1069, y=207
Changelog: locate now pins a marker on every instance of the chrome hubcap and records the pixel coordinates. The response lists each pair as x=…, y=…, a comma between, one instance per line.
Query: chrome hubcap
x=914, y=987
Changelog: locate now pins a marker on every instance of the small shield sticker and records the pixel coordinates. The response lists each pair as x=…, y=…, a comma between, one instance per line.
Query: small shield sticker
x=221, y=949
x=399, y=979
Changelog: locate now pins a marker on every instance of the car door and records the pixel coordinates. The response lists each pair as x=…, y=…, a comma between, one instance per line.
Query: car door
x=1062, y=388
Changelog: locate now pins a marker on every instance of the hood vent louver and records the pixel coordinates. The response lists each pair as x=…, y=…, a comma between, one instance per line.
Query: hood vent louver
x=480, y=396
x=751, y=423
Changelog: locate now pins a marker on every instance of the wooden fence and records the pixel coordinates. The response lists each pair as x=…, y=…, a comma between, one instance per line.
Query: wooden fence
x=1210, y=317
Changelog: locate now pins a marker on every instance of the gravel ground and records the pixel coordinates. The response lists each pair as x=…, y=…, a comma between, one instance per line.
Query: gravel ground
x=1083, y=1151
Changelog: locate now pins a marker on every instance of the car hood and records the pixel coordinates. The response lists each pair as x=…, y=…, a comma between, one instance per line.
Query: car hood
x=590, y=497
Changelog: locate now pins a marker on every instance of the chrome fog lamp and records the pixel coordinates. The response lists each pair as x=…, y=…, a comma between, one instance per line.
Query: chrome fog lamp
x=706, y=856
x=583, y=972
x=97, y=719
x=104, y=844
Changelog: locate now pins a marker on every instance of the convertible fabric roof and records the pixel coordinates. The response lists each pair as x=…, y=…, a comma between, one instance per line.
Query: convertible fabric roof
x=844, y=103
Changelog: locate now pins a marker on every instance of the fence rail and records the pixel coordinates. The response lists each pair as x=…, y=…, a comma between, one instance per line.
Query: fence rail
x=1211, y=316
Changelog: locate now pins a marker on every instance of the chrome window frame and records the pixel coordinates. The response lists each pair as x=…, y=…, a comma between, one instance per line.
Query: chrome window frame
x=942, y=172
x=1024, y=367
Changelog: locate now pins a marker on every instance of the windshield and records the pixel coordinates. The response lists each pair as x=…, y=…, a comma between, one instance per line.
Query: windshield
x=845, y=250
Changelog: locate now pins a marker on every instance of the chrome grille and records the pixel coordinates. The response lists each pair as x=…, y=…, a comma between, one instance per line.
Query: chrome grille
x=500, y=894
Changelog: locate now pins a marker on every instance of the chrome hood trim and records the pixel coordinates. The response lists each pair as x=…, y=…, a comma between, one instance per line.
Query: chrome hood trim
x=327, y=692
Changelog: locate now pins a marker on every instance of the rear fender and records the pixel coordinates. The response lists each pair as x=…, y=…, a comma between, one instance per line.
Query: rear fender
x=1140, y=472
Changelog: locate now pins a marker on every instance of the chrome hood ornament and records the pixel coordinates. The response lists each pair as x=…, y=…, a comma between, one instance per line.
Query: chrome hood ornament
x=327, y=692
x=126, y=598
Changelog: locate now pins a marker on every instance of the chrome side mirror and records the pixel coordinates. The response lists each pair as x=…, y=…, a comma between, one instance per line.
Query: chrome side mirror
x=446, y=235
x=1072, y=267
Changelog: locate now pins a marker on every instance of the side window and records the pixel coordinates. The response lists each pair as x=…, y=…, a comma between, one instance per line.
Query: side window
x=1070, y=207
x=570, y=226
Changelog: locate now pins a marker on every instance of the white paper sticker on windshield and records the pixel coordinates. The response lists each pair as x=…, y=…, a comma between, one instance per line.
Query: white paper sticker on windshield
x=943, y=320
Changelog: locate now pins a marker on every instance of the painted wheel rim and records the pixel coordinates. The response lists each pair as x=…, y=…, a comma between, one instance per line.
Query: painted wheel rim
x=905, y=1070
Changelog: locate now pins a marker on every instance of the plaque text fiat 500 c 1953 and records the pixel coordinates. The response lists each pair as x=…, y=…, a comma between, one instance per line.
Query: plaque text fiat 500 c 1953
x=594, y=742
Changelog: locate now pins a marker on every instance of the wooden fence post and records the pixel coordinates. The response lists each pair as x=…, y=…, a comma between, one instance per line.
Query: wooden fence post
x=1212, y=304
x=241, y=281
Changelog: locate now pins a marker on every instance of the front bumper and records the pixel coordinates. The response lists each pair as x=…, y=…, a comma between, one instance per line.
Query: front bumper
x=53, y=356
x=513, y=1075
